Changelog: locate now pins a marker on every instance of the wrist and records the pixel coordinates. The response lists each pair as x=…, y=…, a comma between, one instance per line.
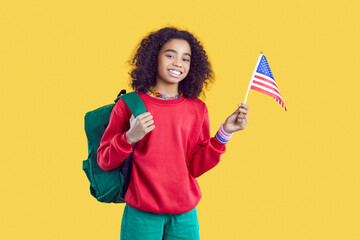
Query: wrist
x=128, y=139
x=225, y=130
x=223, y=136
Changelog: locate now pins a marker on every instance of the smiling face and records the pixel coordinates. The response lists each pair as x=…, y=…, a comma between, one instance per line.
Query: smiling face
x=173, y=62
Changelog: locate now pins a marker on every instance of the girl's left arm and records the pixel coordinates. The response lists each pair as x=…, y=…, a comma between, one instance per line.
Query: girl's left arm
x=208, y=150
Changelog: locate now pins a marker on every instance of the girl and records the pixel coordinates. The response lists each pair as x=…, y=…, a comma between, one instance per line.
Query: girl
x=173, y=138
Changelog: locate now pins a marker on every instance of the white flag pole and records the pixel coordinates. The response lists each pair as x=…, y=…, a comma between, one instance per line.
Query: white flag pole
x=252, y=77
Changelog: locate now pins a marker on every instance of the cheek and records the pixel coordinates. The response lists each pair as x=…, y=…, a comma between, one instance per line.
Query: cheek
x=162, y=64
x=162, y=69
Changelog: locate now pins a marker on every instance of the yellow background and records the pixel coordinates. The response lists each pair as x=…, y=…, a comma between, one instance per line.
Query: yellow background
x=289, y=175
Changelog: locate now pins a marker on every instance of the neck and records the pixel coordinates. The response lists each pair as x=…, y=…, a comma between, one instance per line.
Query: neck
x=166, y=88
x=169, y=91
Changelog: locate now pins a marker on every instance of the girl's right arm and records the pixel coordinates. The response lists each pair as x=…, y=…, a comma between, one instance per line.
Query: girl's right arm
x=113, y=146
x=120, y=135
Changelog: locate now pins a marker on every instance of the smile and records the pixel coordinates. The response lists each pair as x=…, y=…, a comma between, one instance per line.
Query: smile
x=174, y=73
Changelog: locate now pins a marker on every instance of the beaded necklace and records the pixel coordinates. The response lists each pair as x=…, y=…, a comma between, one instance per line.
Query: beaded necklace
x=156, y=93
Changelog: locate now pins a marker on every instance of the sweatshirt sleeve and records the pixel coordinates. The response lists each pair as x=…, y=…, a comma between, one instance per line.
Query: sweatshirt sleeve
x=207, y=151
x=114, y=148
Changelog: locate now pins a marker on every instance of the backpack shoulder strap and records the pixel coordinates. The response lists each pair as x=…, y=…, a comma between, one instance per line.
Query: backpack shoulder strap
x=134, y=102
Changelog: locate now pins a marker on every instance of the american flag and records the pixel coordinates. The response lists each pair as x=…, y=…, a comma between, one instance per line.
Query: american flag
x=263, y=81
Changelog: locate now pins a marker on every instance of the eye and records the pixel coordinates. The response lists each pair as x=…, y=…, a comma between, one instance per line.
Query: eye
x=169, y=56
x=186, y=60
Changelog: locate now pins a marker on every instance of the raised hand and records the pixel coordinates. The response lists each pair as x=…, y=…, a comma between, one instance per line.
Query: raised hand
x=238, y=120
x=139, y=127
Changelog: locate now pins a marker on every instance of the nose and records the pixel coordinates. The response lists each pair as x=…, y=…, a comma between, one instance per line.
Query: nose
x=177, y=63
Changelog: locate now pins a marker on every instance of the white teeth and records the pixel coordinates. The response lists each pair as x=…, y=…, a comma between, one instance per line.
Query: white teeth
x=175, y=72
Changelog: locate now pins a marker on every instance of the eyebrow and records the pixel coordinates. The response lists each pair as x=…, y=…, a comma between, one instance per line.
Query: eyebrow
x=172, y=50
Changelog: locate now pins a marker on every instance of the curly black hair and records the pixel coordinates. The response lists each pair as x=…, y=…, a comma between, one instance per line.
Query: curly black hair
x=144, y=63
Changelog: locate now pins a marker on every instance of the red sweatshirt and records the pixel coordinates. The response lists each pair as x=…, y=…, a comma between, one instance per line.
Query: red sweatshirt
x=168, y=159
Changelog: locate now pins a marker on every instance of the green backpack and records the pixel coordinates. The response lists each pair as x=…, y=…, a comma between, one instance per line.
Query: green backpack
x=108, y=186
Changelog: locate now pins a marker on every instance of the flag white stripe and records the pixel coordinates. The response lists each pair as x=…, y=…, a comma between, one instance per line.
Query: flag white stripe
x=267, y=83
x=268, y=78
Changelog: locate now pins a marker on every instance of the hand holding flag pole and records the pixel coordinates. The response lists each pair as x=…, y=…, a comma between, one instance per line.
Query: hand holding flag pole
x=262, y=80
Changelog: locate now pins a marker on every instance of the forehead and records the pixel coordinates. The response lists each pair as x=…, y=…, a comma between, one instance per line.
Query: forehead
x=179, y=45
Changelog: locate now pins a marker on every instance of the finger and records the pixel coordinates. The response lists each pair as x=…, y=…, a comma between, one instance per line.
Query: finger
x=132, y=117
x=243, y=110
x=240, y=122
x=246, y=121
x=146, y=119
x=148, y=123
x=241, y=116
x=143, y=115
x=149, y=129
x=243, y=105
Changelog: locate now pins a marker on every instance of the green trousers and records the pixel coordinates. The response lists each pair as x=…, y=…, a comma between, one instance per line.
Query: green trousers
x=140, y=225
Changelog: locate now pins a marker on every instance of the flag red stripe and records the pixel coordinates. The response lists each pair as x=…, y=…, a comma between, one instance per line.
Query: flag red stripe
x=267, y=89
x=270, y=94
x=265, y=92
x=267, y=86
x=266, y=80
